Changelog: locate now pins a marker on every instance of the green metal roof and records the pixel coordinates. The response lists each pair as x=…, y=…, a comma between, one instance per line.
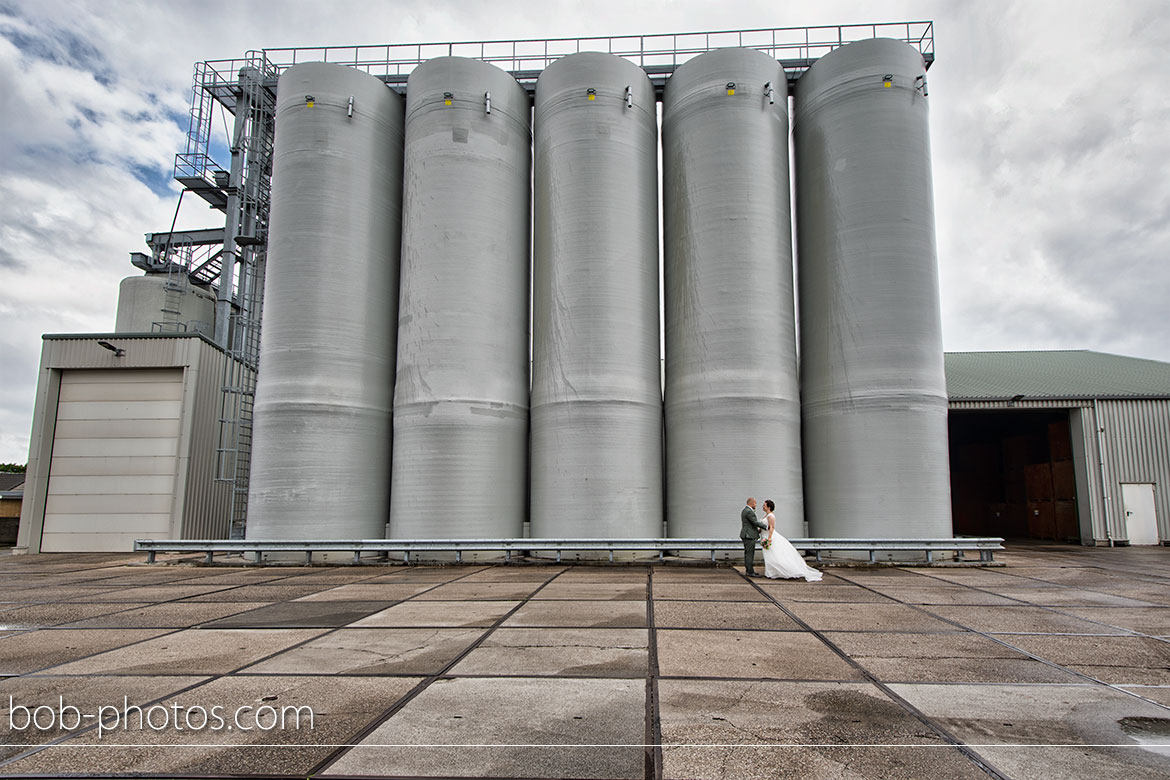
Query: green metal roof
x=1071, y=374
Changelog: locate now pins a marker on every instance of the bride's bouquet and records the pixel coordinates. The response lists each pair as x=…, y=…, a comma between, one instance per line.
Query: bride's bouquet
x=766, y=544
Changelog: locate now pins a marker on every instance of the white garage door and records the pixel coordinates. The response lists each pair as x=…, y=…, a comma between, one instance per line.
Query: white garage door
x=115, y=453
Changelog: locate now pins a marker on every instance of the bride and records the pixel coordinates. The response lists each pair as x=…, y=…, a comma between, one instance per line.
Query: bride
x=781, y=559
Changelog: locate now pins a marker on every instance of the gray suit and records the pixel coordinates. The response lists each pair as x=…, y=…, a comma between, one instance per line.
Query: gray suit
x=749, y=533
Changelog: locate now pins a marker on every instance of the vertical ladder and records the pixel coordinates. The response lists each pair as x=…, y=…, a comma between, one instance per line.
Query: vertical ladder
x=248, y=222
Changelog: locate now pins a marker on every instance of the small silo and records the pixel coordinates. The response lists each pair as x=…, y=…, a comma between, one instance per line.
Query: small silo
x=732, y=394
x=321, y=442
x=596, y=449
x=461, y=395
x=164, y=302
x=873, y=393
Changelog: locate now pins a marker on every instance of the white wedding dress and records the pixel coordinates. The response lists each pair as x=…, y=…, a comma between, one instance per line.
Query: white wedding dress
x=783, y=561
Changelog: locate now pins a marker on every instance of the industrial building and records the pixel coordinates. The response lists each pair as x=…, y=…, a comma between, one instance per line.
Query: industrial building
x=380, y=204
x=1062, y=445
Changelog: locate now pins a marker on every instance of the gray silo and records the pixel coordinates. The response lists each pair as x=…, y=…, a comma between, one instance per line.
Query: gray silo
x=596, y=396
x=461, y=395
x=321, y=446
x=732, y=394
x=163, y=302
x=874, y=398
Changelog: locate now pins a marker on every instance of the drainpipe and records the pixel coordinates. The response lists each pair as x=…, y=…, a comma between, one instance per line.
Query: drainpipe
x=1101, y=466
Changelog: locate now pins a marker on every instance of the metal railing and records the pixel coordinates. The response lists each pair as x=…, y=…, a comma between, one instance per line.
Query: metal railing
x=985, y=546
x=661, y=49
x=795, y=47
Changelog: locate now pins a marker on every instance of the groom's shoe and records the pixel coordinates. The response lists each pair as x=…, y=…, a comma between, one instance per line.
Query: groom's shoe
x=754, y=574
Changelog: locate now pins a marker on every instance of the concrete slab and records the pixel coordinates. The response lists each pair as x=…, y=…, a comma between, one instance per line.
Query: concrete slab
x=1157, y=693
x=604, y=574
x=194, y=651
x=593, y=652
x=580, y=614
x=34, y=650
x=1089, y=716
x=1060, y=596
x=877, y=575
x=480, y=591
x=1152, y=593
x=302, y=614
x=155, y=593
x=367, y=592
x=373, y=651
x=1020, y=619
x=176, y=615
x=972, y=578
x=518, y=713
x=575, y=590
x=414, y=573
x=786, y=655
x=41, y=615
x=57, y=593
x=263, y=592
x=707, y=592
x=944, y=594
x=1154, y=621
x=517, y=573
x=332, y=575
x=341, y=707
x=959, y=657
x=417, y=614
x=866, y=617
x=818, y=591
x=258, y=576
x=1121, y=660
x=721, y=729
x=715, y=614
x=86, y=694
x=137, y=577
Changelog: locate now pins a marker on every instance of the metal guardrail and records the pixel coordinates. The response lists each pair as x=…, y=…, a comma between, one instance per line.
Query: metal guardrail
x=985, y=546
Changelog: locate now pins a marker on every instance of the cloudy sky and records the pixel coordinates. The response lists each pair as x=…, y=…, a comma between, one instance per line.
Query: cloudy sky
x=1050, y=129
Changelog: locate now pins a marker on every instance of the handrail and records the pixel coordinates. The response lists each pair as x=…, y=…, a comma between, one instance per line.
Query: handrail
x=984, y=545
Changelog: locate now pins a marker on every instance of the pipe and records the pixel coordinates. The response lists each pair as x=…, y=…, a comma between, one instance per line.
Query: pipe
x=1101, y=466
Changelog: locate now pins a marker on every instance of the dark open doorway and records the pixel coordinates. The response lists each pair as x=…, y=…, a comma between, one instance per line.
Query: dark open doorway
x=1012, y=474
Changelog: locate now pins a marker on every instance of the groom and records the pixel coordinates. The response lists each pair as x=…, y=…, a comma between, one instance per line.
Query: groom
x=749, y=533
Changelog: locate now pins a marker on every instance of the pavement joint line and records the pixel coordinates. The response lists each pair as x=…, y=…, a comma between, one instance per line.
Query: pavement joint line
x=128, y=644
x=1086, y=589
x=1054, y=608
x=331, y=630
x=206, y=680
x=426, y=682
x=944, y=733
x=1041, y=659
x=66, y=737
x=653, y=735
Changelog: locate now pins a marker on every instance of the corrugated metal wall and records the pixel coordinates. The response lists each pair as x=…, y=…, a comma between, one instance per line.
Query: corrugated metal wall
x=207, y=508
x=1137, y=449
x=1134, y=446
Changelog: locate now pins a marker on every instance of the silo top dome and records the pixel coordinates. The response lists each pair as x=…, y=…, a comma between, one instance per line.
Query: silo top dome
x=326, y=86
x=596, y=77
x=861, y=65
x=461, y=82
x=733, y=72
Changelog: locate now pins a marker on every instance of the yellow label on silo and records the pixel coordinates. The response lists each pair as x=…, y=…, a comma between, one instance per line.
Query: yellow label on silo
x=731, y=92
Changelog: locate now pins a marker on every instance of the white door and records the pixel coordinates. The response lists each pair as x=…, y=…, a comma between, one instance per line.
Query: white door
x=115, y=454
x=1141, y=523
